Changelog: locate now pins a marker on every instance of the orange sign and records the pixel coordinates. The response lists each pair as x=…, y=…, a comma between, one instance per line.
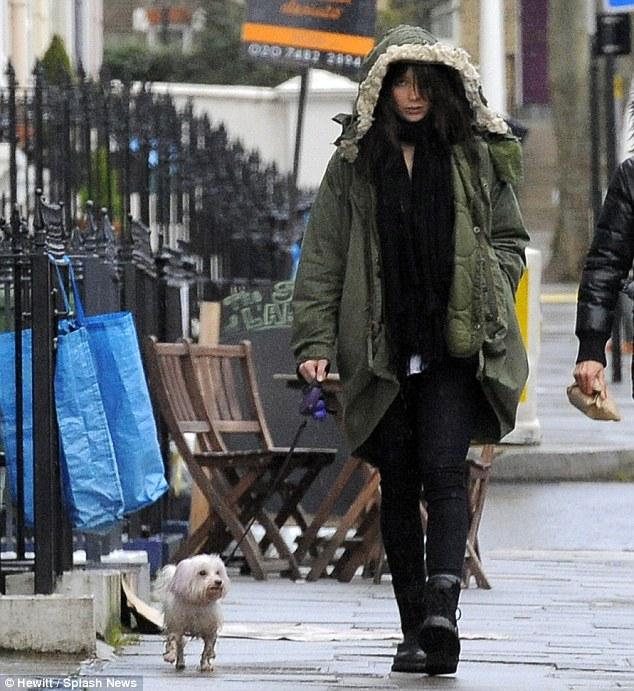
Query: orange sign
x=331, y=34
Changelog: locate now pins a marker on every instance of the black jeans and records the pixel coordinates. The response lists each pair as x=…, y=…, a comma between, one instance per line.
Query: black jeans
x=422, y=442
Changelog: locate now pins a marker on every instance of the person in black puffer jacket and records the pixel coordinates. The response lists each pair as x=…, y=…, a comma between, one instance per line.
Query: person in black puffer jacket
x=607, y=265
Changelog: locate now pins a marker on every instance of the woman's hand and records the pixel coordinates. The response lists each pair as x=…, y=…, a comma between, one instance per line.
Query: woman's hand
x=590, y=375
x=314, y=370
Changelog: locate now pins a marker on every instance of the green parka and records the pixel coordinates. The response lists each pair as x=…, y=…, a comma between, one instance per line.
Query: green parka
x=338, y=303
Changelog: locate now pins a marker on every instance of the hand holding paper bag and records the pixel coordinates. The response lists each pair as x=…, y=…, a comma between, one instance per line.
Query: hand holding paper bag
x=594, y=406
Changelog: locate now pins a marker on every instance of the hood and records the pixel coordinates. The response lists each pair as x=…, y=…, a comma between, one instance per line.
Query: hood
x=411, y=44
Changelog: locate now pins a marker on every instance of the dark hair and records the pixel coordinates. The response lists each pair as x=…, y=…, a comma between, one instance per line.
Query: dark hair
x=450, y=116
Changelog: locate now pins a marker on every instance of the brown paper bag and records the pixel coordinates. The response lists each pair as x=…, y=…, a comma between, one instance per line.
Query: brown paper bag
x=593, y=406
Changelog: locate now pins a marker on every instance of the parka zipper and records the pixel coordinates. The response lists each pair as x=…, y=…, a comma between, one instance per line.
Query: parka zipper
x=485, y=258
x=370, y=271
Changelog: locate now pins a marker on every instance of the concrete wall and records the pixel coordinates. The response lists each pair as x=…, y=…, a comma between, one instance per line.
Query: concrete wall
x=104, y=587
x=86, y=603
x=265, y=118
x=47, y=623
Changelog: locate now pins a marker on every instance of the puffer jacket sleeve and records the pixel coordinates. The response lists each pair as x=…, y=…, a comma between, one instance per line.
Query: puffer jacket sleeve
x=607, y=264
x=319, y=282
x=508, y=233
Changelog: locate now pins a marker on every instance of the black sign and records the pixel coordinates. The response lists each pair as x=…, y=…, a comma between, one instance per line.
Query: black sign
x=330, y=34
x=613, y=34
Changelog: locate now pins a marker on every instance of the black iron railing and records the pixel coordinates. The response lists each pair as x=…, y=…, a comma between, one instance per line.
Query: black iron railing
x=114, y=273
x=157, y=209
x=129, y=150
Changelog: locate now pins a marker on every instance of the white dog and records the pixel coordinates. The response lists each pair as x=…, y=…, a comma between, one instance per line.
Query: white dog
x=190, y=593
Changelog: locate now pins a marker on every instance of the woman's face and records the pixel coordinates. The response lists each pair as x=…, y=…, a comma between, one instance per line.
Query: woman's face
x=409, y=102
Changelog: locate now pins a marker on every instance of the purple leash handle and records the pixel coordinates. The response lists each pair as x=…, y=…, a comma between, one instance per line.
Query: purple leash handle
x=313, y=403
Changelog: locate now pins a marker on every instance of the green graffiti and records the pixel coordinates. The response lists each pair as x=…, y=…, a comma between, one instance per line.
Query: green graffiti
x=251, y=310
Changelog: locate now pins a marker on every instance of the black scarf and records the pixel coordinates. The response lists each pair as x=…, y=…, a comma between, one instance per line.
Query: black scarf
x=416, y=227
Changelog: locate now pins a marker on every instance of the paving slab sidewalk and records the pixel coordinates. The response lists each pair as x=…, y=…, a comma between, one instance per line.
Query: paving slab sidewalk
x=553, y=621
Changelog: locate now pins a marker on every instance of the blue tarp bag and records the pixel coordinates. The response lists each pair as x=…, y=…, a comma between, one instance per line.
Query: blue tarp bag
x=90, y=480
x=88, y=465
x=115, y=348
x=8, y=421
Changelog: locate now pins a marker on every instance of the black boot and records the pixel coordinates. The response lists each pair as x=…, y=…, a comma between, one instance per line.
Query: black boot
x=409, y=655
x=439, y=633
x=411, y=608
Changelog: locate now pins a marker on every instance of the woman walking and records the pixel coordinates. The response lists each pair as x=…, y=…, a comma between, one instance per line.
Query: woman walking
x=410, y=262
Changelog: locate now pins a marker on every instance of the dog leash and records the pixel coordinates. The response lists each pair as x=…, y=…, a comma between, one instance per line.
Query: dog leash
x=312, y=406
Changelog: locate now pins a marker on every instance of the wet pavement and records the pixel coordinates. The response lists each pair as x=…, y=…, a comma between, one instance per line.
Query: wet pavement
x=559, y=516
x=553, y=621
x=560, y=614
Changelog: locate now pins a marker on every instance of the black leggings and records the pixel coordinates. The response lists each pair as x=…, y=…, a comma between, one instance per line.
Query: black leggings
x=423, y=441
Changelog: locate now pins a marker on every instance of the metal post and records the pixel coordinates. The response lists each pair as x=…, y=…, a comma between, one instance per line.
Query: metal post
x=86, y=128
x=176, y=170
x=106, y=115
x=54, y=113
x=39, y=129
x=192, y=184
x=19, y=383
x=27, y=150
x=158, y=175
x=129, y=271
x=47, y=497
x=293, y=192
x=161, y=262
x=105, y=197
x=13, y=137
x=66, y=153
x=127, y=161
x=143, y=107
x=301, y=110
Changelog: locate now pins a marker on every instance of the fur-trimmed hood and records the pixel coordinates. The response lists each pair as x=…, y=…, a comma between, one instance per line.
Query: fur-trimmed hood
x=411, y=44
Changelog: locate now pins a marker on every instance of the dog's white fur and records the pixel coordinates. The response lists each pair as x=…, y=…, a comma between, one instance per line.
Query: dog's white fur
x=190, y=593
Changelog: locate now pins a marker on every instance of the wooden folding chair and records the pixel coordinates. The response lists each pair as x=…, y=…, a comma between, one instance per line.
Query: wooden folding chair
x=356, y=531
x=226, y=479
x=366, y=548
x=479, y=475
x=227, y=379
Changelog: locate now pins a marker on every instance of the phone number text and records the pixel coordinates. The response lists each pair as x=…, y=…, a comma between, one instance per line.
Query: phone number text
x=305, y=55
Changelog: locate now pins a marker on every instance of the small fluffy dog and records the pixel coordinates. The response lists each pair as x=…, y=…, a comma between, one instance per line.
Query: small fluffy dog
x=190, y=593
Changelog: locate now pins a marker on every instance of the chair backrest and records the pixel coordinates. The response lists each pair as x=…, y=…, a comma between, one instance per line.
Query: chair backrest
x=174, y=388
x=227, y=379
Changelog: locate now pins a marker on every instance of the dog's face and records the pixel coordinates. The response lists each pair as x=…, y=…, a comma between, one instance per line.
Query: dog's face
x=200, y=579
